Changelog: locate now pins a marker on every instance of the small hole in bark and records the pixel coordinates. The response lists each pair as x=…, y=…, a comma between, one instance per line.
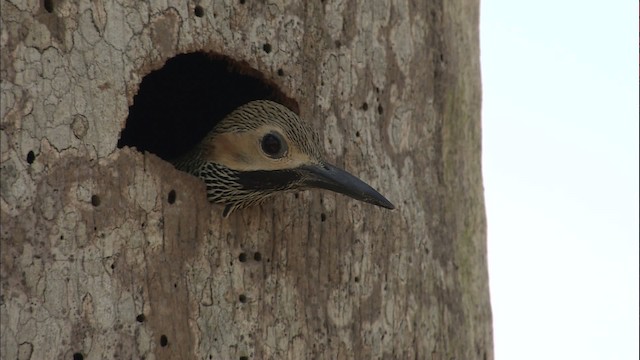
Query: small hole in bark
x=198, y=11
x=175, y=285
x=296, y=195
x=323, y=217
x=140, y=318
x=48, y=5
x=95, y=200
x=356, y=279
x=257, y=256
x=244, y=358
x=78, y=356
x=280, y=72
x=242, y=2
x=242, y=257
x=163, y=340
x=266, y=47
x=242, y=298
x=365, y=106
x=172, y=197
x=357, y=133
x=31, y=157
x=380, y=109
x=113, y=266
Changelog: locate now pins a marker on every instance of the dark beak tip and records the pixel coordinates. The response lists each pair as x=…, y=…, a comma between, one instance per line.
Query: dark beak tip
x=386, y=204
x=378, y=199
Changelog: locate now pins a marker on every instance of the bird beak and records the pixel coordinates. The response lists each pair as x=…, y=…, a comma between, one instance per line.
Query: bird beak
x=327, y=176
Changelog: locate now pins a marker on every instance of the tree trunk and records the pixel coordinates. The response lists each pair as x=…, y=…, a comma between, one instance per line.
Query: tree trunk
x=109, y=252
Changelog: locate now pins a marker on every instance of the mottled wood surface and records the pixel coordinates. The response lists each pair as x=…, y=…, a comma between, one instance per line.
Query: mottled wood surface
x=107, y=252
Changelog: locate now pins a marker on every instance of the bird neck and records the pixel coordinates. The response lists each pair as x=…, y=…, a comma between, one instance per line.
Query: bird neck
x=191, y=161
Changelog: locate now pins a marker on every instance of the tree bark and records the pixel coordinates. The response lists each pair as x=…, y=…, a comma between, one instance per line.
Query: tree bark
x=109, y=252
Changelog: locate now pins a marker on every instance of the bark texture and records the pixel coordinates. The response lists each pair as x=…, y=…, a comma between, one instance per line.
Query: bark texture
x=109, y=252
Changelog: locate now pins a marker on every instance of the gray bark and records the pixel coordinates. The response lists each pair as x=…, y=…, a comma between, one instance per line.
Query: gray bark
x=90, y=242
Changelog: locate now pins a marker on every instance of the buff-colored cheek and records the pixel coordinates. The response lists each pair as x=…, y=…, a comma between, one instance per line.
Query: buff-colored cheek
x=241, y=158
x=241, y=151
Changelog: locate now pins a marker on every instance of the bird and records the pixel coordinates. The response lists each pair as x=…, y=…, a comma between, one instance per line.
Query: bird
x=262, y=148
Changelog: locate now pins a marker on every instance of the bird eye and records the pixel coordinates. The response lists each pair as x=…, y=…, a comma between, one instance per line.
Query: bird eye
x=273, y=145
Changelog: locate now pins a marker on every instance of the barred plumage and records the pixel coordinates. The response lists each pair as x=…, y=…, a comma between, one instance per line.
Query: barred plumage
x=262, y=148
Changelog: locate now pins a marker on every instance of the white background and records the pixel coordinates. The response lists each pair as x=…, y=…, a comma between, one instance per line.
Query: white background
x=560, y=160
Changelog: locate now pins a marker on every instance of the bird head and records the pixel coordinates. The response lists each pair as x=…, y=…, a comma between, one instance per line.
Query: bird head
x=261, y=148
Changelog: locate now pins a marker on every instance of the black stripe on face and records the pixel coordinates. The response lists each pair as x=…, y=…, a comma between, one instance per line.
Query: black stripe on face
x=268, y=180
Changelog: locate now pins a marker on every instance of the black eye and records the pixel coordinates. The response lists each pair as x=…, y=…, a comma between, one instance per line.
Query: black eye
x=273, y=145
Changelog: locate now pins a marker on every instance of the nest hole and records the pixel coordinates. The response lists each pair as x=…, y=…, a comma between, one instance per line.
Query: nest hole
x=178, y=104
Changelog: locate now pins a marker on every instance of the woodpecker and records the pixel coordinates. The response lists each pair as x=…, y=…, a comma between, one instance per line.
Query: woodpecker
x=262, y=148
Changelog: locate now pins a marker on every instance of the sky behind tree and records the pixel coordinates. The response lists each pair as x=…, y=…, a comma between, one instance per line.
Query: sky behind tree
x=560, y=162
